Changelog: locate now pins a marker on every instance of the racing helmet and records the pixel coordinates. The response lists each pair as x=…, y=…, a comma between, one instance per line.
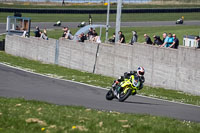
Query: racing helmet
x=140, y=71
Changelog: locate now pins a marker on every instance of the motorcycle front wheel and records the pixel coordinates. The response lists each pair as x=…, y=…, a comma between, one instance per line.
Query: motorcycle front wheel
x=110, y=95
x=123, y=96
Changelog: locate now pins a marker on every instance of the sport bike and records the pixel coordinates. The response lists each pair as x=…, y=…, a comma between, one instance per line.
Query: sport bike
x=122, y=90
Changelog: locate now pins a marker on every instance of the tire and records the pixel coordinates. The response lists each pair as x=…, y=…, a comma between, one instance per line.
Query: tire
x=110, y=95
x=122, y=98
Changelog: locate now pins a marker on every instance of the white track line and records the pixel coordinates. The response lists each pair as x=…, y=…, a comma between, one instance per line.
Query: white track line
x=98, y=87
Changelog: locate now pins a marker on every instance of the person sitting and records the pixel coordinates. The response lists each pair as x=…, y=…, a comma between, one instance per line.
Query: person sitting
x=175, y=43
x=43, y=35
x=82, y=37
x=134, y=37
x=121, y=37
x=112, y=40
x=17, y=27
x=147, y=39
x=67, y=33
x=94, y=36
x=90, y=33
x=157, y=40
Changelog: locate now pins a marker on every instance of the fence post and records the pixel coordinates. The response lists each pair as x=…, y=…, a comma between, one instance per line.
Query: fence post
x=97, y=54
x=56, y=52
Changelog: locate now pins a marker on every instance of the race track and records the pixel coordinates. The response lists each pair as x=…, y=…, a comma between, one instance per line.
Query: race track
x=49, y=25
x=18, y=83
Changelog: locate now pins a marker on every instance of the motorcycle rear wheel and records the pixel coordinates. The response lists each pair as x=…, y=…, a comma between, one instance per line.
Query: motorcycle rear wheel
x=110, y=95
x=123, y=96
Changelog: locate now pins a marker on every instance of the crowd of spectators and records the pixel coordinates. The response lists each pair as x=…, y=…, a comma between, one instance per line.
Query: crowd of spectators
x=121, y=38
x=92, y=35
x=169, y=40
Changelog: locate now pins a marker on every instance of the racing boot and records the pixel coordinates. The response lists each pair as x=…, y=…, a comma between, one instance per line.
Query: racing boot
x=118, y=90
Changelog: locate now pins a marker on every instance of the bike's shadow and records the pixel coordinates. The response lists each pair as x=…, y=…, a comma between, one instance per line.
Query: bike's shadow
x=144, y=103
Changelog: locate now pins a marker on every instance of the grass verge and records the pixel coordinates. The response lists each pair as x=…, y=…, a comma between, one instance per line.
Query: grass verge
x=2, y=37
x=93, y=79
x=102, y=17
x=19, y=115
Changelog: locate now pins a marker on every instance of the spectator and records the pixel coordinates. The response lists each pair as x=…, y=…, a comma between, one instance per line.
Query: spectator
x=197, y=38
x=64, y=31
x=94, y=36
x=37, y=32
x=90, y=33
x=94, y=33
x=157, y=40
x=121, y=37
x=164, y=37
x=43, y=35
x=147, y=39
x=67, y=33
x=170, y=41
x=134, y=37
x=112, y=39
x=167, y=40
x=82, y=37
x=17, y=27
x=175, y=43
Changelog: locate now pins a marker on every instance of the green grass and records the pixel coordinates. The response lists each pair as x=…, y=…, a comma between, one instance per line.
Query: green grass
x=93, y=79
x=171, y=95
x=2, y=37
x=180, y=31
x=102, y=17
x=17, y=116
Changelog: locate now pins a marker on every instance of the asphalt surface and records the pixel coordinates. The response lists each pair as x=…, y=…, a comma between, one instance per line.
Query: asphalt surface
x=17, y=83
x=49, y=25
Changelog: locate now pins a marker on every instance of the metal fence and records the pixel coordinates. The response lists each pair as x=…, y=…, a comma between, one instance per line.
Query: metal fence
x=113, y=1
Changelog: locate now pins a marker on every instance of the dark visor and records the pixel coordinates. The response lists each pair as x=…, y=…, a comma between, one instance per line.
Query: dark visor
x=141, y=73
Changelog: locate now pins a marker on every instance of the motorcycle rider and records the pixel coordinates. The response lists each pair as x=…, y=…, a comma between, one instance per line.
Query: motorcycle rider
x=138, y=77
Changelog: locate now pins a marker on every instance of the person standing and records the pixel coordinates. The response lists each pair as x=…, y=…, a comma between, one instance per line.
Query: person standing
x=121, y=37
x=134, y=37
x=175, y=43
x=197, y=38
x=157, y=40
x=147, y=39
x=37, y=32
x=167, y=40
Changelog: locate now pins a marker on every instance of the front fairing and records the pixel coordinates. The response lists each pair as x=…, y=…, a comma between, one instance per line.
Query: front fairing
x=132, y=83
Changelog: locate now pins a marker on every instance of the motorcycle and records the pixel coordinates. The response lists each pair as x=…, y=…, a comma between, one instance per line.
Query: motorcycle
x=127, y=88
x=179, y=21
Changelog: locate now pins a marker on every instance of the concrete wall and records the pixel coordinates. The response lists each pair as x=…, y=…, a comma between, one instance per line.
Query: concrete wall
x=31, y=48
x=168, y=68
x=80, y=56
